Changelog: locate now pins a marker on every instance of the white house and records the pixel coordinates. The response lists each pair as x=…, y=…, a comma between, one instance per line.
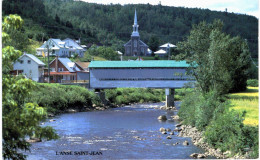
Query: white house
x=30, y=66
x=166, y=45
x=65, y=48
x=74, y=47
x=161, y=53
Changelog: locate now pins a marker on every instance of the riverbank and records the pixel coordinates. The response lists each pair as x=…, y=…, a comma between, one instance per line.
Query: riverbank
x=218, y=127
x=196, y=138
x=57, y=99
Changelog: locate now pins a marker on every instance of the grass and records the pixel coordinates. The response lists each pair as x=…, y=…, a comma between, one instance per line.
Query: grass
x=247, y=101
x=96, y=58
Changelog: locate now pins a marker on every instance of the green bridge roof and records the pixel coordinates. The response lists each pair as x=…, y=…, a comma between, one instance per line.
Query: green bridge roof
x=138, y=64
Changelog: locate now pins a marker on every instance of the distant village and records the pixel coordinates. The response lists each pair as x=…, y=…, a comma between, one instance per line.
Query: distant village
x=62, y=70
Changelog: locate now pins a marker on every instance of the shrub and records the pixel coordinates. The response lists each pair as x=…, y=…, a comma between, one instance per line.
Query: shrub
x=188, y=107
x=226, y=132
x=57, y=98
x=197, y=109
x=252, y=83
x=134, y=95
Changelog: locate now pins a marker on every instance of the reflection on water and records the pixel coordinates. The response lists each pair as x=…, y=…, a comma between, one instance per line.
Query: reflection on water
x=128, y=132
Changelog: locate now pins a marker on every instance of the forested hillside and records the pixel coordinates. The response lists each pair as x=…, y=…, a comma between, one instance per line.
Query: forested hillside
x=112, y=24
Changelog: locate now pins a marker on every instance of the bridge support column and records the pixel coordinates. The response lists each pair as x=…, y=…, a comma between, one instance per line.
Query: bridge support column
x=102, y=96
x=169, y=97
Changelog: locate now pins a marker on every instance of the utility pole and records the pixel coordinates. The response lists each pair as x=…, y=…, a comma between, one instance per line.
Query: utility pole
x=48, y=50
x=48, y=44
x=42, y=37
x=168, y=49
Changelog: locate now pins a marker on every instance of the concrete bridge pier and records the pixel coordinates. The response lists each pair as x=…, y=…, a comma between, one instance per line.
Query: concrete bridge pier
x=169, y=97
x=102, y=95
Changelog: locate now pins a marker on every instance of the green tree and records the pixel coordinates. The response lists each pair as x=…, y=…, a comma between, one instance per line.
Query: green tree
x=20, y=118
x=219, y=62
x=153, y=43
x=57, y=18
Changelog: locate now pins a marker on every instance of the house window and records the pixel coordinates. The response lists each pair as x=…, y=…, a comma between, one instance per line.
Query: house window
x=29, y=61
x=60, y=69
x=21, y=61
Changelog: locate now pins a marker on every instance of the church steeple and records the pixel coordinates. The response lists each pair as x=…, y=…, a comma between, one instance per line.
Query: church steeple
x=135, y=26
x=135, y=21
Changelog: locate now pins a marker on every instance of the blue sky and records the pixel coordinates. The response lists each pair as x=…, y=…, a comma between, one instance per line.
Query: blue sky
x=249, y=7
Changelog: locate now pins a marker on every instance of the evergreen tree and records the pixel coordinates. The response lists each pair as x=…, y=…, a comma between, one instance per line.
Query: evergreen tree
x=154, y=43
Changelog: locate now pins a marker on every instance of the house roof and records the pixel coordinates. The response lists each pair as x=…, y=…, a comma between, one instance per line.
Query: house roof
x=66, y=43
x=83, y=64
x=143, y=43
x=35, y=59
x=58, y=42
x=71, y=42
x=69, y=64
x=138, y=64
x=161, y=51
x=128, y=43
x=166, y=45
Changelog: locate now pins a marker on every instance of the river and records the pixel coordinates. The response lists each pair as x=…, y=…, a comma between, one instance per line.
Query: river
x=130, y=132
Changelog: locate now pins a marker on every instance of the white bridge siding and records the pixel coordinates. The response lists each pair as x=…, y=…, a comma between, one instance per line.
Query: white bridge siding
x=103, y=78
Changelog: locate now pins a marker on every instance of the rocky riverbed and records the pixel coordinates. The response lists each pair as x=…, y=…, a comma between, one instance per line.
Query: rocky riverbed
x=197, y=139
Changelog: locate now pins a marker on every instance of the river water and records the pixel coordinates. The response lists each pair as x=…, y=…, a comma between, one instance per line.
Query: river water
x=112, y=134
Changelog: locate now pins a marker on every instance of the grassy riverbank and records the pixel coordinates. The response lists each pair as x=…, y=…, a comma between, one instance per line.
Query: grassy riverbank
x=222, y=121
x=247, y=101
x=58, y=98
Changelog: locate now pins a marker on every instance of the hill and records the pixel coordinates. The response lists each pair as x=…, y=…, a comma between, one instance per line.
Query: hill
x=112, y=24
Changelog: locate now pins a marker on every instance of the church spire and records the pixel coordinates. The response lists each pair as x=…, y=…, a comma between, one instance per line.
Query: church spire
x=135, y=21
x=135, y=26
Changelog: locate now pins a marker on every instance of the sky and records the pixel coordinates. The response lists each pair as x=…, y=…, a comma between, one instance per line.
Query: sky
x=249, y=7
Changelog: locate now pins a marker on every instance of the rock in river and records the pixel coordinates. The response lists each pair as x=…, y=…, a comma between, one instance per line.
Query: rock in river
x=201, y=156
x=185, y=143
x=72, y=111
x=162, y=117
x=177, y=129
x=197, y=155
x=169, y=137
x=194, y=155
x=163, y=107
x=162, y=129
x=176, y=117
x=178, y=125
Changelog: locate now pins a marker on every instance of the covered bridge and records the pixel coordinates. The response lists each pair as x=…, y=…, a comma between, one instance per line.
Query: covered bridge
x=138, y=74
